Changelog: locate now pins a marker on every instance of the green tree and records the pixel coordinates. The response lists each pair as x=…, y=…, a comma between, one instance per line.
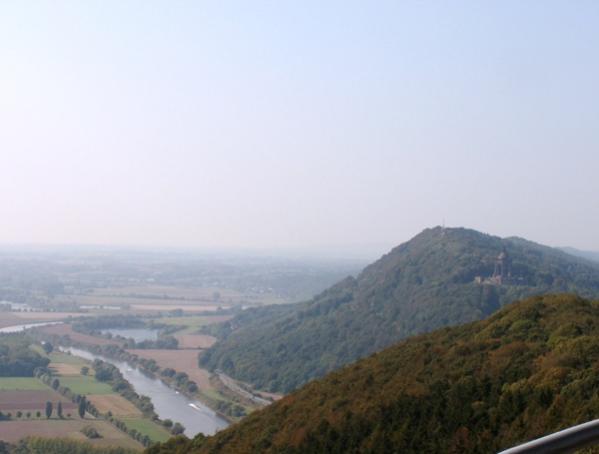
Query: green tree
x=177, y=429
x=59, y=409
x=84, y=370
x=81, y=408
x=55, y=384
x=48, y=347
x=48, y=409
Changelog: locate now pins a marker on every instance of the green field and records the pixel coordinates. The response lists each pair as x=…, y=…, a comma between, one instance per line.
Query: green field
x=146, y=427
x=59, y=357
x=192, y=324
x=85, y=385
x=21, y=383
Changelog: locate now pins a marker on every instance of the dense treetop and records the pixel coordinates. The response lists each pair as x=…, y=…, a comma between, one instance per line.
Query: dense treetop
x=528, y=370
x=17, y=359
x=421, y=285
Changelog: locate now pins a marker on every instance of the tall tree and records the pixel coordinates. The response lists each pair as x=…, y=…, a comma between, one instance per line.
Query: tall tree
x=59, y=409
x=48, y=409
x=82, y=405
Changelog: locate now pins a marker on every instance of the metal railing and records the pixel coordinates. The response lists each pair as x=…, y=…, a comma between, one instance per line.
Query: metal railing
x=564, y=441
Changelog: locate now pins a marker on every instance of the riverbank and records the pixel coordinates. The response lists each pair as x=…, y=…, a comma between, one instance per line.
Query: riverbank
x=178, y=368
x=168, y=403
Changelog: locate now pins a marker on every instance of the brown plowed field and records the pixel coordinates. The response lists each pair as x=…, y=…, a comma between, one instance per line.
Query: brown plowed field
x=66, y=329
x=119, y=406
x=33, y=400
x=195, y=340
x=180, y=360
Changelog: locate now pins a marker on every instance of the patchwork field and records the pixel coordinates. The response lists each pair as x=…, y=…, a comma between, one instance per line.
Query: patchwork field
x=151, y=303
x=13, y=431
x=159, y=291
x=180, y=360
x=119, y=406
x=33, y=400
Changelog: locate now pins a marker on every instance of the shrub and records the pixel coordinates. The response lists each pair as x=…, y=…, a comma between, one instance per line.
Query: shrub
x=90, y=432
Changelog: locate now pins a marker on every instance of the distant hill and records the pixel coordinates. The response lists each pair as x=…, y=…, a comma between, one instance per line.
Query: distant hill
x=528, y=370
x=442, y=277
x=590, y=255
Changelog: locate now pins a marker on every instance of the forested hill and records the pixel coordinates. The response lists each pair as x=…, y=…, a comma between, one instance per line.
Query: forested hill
x=421, y=285
x=528, y=370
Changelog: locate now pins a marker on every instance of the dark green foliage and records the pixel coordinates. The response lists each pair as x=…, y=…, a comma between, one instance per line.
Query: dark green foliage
x=528, y=370
x=59, y=409
x=163, y=343
x=177, y=429
x=90, y=432
x=49, y=409
x=17, y=359
x=48, y=347
x=81, y=407
x=422, y=285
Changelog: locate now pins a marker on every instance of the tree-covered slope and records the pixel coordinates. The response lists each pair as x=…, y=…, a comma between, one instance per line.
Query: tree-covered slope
x=421, y=285
x=530, y=369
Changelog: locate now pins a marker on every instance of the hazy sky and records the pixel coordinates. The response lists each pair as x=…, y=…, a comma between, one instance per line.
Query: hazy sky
x=278, y=124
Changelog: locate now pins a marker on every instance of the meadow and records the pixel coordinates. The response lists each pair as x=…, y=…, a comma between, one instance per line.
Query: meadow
x=21, y=384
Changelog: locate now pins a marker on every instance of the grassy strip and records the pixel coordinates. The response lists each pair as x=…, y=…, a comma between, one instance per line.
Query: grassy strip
x=21, y=384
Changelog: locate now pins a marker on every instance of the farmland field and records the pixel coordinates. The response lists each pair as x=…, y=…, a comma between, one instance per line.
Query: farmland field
x=117, y=405
x=13, y=431
x=159, y=291
x=65, y=358
x=195, y=341
x=21, y=384
x=85, y=385
x=149, y=428
x=180, y=360
x=195, y=322
x=32, y=400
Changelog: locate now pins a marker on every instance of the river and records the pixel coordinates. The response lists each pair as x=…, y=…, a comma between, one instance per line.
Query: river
x=168, y=403
x=19, y=328
x=137, y=334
